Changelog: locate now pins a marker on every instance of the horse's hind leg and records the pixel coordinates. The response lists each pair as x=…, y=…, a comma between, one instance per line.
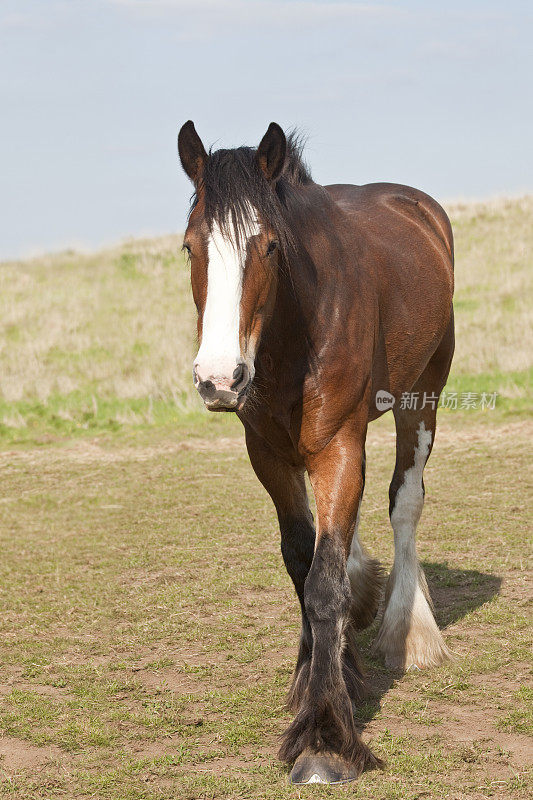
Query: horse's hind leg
x=409, y=635
x=366, y=578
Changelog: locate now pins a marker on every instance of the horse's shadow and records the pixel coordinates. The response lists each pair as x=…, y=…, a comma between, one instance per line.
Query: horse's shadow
x=455, y=592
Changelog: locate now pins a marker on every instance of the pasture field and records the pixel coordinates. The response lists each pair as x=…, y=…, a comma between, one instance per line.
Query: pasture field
x=148, y=627
x=104, y=341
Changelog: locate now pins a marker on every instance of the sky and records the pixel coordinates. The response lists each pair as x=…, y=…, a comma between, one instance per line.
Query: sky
x=92, y=93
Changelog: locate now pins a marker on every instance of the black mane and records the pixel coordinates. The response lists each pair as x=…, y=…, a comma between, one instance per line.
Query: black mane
x=234, y=186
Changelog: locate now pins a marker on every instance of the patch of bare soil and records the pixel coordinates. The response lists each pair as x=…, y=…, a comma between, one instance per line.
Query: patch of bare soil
x=232, y=766
x=25, y=686
x=91, y=452
x=461, y=437
x=173, y=680
x=464, y=728
x=16, y=754
x=467, y=724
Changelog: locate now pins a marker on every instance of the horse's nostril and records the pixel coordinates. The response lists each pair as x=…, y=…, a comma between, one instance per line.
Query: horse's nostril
x=237, y=373
x=240, y=376
x=207, y=389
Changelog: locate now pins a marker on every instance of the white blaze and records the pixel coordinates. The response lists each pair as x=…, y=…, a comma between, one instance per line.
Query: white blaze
x=220, y=351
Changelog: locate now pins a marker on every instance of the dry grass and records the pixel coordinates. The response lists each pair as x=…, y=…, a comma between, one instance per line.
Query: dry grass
x=83, y=336
x=494, y=286
x=118, y=323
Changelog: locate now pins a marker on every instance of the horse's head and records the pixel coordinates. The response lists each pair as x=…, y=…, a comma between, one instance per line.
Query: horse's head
x=233, y=243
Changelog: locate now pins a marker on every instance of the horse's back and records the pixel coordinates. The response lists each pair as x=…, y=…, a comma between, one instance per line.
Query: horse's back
x=388, y=208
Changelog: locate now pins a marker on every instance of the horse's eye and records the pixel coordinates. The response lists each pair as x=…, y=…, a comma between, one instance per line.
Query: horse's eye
x=187, y=248
x=271, y=247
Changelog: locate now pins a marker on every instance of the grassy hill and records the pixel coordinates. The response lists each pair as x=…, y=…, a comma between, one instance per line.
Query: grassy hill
x=105, y=340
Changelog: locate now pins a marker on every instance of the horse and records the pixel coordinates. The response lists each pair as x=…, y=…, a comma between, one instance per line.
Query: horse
x=320, y=308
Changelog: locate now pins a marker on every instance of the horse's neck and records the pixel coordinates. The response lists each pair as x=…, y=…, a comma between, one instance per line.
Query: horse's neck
x=305, y=268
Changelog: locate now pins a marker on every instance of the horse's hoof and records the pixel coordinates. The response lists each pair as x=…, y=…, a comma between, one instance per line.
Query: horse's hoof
x=312, y=767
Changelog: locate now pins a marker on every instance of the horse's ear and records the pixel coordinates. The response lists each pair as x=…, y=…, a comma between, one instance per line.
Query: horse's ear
x=272, y=151
x=192, y=152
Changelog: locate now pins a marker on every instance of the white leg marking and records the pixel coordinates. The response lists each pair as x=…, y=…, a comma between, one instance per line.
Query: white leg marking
x=409, y=636
x=366, y=580
x=219, y=351
x=354, y=565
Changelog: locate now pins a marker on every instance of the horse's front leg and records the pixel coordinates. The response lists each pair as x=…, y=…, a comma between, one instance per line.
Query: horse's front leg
x=285, y=483
x=322, y=740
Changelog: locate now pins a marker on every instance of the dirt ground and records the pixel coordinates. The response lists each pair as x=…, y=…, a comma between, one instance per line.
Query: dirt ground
x=149, y=629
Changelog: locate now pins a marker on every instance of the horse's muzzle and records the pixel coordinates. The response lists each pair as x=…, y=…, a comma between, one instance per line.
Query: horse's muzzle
x=222, y=394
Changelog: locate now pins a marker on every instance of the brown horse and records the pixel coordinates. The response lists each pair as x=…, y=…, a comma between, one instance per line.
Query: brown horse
x=320, y=307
